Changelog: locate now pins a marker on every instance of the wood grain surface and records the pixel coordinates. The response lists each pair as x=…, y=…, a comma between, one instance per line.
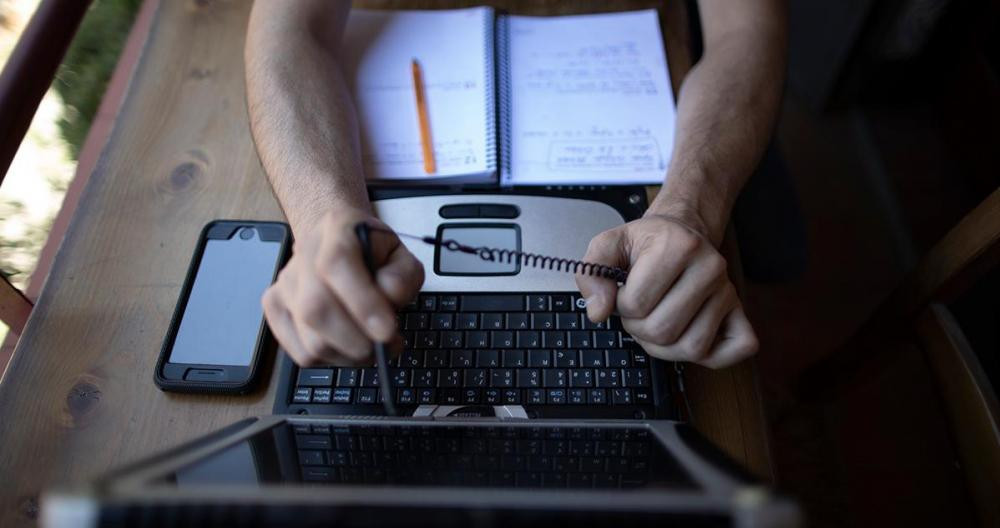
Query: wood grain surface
x=78, y=397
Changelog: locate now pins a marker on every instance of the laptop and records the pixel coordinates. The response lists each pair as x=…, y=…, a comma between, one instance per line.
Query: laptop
x=430, y=471
x=503, y=337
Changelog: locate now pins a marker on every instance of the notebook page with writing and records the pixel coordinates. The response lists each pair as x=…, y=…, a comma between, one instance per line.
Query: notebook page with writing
x=455, y=52
x=590, y=100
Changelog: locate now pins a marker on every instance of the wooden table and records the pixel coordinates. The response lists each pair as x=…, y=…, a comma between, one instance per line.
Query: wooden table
x=78, y=397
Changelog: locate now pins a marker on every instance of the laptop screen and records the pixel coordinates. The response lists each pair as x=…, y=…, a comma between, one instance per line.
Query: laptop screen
x=421, y=455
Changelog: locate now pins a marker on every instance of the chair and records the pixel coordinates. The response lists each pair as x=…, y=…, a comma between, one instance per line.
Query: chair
x=915, y=313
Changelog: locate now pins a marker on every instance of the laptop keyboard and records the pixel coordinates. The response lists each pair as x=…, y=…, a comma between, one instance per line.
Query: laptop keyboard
x=563, y=457
x=496, y=349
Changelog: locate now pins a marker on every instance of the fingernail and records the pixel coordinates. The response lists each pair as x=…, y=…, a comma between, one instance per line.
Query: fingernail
x=381, y=327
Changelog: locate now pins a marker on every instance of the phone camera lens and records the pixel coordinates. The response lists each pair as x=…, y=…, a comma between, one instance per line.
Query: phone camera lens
x=246, y=233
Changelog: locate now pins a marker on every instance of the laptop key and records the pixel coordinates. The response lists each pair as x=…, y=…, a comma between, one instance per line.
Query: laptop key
x=463, y=358
x=513, y=358
x=529, y=339
x=467, y=321
x=608, y=378
x=492, y=321
x=592, y=358
x=342, y=395
x=452, y=339
x=475, y=377
x=618, y=358
x=437, y=358
x=448, y=303
x=315, y=377
x=597, y=396
x=502, y=377
x=538, y=303
x=539, y=358
x=425, y=377
x=621, y=396
x=367, y=396
x=567, y=358
x=562, y=303
x=581, y=378
x=488, y=358
x=554, y=378
x=470, y=396
x=491, y=303
x=476, y=339
x=302, y=395
x=577, y=396
x=451, y=396
x=543, y=321
x=512, y=396
x=579, y=339
x=450, y=378
x=517, y=321
x=322, y=395
x=424, y=396
x=635, y=377
x=554, y=339
x=606, y=339
x=535, y=396
x=502, y=339
x=568, y=321
x=529, y=378
x=643, y=396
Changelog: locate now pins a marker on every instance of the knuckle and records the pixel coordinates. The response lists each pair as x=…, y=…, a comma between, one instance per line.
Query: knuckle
x=716, y=265
x=313, y=309
x=685, y=244
x=665, y=334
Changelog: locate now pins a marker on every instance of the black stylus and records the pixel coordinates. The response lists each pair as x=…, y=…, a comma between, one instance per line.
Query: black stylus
x=364, y=237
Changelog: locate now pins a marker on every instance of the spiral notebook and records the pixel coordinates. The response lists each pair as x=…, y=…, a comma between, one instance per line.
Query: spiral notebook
x=512, y=100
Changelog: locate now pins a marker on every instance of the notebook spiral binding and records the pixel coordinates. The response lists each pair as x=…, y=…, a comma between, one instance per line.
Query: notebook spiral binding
x=503, y=92
x=491, y=105
x=532, y=260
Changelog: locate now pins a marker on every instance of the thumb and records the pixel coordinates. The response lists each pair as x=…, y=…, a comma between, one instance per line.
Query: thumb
x=606, y=249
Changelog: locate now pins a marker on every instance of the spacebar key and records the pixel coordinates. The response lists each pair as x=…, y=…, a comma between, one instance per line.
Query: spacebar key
x=492, y=303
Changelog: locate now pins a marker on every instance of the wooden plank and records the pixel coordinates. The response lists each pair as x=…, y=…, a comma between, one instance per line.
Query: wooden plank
x=971, y=404
x=78, y=397
x=14, y=306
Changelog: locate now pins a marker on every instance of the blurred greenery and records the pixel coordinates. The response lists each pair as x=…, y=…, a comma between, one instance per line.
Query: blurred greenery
x=88, y=65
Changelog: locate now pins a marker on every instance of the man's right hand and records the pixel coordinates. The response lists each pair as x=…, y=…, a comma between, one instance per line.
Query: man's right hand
x=325, y=307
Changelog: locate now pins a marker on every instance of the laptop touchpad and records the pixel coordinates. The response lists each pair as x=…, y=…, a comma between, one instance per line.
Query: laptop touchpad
x=503, y=238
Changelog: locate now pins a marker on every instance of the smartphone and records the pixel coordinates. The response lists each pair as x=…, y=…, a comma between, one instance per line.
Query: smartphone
x=218, y=336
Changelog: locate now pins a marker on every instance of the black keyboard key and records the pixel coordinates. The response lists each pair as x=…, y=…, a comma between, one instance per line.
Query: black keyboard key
x=348, y=377
x=399, y=377
x=416, y=321
x=426, y=396
x=410, y=359
x=628, y=341
x=580, y=480
x=534, y=396
x=342, y=395
x=492, y=303
x=618, y=358
x=319, y=474
x=451, y=396
x=554, y=378
x=467, y=321
x=529, y=378
x=367, y=396
x=476, y=339
x=635, y=377
x=310, y=458
x=609, y=378
x=452, y=339
x=302, y=395
x=492, y=321
x=448, y=303
x=450, y=378
x=369, y=377
x=579, y=339
x=529, y=339
x=581, y=378
x=471, y=396
x=322, y=395
x=475, y=378
x=543, y=321
x=463, y=358
x=577, y=396
x=621, y=396
x=437, y=358
x=407, y=340
x=643, y=396
x=590, y=325
x=540, y=358
x=488, y=358
x=315, y=377
x=492, y=397
x=513, y=358
x=406, y=396
x=442, y=321
x=538, y=303
x=597, y=396
x=313, y=442
x=554, y=339
x=502, y=378
x=512, y=396
x=556, y=396
x=428, y=303
x=502, y=339
x=592, y=358
x=640, y=358
x=517, y=321
x=568, y=321
x=606, y=339
x=567, y=358
x=562, y=303
x=425, y=378
x=426, y=340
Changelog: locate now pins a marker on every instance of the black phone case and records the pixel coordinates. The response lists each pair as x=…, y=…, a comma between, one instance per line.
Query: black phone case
x=214, y=230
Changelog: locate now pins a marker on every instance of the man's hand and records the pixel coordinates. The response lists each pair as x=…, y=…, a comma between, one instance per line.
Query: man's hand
x=678, y=302
x=325, y=308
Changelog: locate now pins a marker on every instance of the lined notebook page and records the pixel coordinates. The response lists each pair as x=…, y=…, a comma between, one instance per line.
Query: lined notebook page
x=451, y=47
x=590, y=100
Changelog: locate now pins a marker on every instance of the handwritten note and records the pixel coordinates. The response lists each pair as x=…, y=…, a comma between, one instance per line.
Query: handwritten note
x=451, y=47
x=591, y=101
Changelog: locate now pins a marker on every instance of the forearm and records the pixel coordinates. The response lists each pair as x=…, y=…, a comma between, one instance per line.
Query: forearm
x=301, y=115
x=725, y=116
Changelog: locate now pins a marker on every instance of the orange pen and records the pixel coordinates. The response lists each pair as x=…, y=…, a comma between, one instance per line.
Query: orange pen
x=425, y=123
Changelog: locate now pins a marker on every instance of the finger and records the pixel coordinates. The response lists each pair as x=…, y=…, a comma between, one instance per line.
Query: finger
x=606, y=249
x=401, y=277
x=667, y=322
x=340, y=265
x=325, y=327
x=737, y=341
x=649, y=278
x=699, y=337
x=282, y=327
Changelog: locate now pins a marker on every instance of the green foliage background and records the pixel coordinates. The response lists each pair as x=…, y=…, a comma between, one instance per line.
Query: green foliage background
x=89, y=63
